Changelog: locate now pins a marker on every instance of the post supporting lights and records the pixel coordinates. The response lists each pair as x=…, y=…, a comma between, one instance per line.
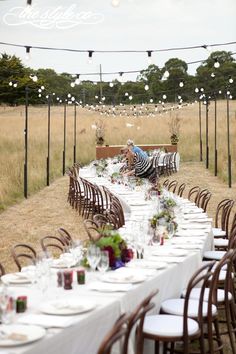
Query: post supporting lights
x=27, y=50
x=75, y=128
x=64, y=149
x=90, y=56
x=26, y=143
x=228, y=144
x=206, y=102
x=216, y=152
x=49, y=140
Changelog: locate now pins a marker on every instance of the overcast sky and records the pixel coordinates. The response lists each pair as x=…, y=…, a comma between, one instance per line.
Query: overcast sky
x=134, y=24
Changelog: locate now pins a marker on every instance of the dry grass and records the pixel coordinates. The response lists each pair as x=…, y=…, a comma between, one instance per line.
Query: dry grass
x=143, y=130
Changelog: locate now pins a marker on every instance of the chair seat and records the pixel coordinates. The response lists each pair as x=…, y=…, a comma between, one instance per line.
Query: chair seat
x=195, y=294
x=214, y=255
x=176, y=307
x=168, y=326
x=221, y=242
x=217, y=232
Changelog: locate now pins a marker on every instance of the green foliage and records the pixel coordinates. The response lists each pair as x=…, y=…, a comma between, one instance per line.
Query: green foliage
x=113, y=240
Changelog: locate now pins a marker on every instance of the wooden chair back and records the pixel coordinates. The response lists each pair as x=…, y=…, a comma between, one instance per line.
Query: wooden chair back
x=22, y=252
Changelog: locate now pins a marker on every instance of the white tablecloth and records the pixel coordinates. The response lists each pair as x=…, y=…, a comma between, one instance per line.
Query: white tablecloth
x=88, y=329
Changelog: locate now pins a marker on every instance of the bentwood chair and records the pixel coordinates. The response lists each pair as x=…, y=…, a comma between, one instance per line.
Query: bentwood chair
x=23, y=254
x=65, y=236
x=222, y=218
x=2, y=270
x=203, y=199
x=136, y=319
x=54, y=244
x=102, y=221
x=92, y=230
x=193, y=194
x=181, y=189
x=117, y=333
x=169, y=328
x=166, y=183
x=172, y=186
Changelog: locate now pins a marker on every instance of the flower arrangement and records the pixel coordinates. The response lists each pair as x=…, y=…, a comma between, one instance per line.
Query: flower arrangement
x=174, y=129
x=112, y=242
x=164, y=217
x=169, y=203
x=100, y=132
x=101, y=166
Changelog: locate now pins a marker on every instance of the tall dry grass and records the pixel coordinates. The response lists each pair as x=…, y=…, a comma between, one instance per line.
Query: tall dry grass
x=142, y=129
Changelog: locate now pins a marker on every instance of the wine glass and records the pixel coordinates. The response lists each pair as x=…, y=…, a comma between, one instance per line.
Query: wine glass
x=93, y=256
x=103, y=263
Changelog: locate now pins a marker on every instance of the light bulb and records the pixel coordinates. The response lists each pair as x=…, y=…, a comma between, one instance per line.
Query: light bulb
x=220, y=92
x=164, y=97
x=196, y=90
x=15, y=84
x=126, y=94
x=231, y=80
x=96, y=97
x=58, y=99
x=216, y=64
x=212, y=75
x=69, y=95
x=103, y=98
x=230, y=97
x=228, y=93
x=181, y=84
x=39, y=95
x=10, y=83
x=72, y=84
x=77, y=81
x=115, y=3
x=202, y=89
x=42, y=88
x=130, y=98
x=111, y=84
x=179, y=97
x=39, y=90
x=151, y=100
x=146, y=87
x=166, y=75
x=72, y=99
x=47, y=96
x=27, y=56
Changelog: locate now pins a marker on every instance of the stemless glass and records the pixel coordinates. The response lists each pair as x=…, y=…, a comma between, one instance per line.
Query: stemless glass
x=103, y=263
x=93, y=256
x=170, y=230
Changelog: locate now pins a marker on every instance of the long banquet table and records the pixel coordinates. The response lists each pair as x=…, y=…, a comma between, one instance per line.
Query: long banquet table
x=83, y=333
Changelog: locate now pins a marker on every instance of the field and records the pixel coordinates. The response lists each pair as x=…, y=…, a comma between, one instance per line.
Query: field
x=117, y=130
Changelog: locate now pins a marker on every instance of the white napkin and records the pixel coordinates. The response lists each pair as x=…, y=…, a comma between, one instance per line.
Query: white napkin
x=47, y=321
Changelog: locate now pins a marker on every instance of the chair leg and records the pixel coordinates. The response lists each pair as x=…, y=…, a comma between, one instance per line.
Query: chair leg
x=218, y=338
x=157, y=347
x=230, y=328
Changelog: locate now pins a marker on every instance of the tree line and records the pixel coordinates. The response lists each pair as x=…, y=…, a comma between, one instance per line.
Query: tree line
x=173, y=81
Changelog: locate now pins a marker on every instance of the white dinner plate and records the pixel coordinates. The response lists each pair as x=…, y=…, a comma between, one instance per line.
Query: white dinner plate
x=120, y=278
x=14, y=335
x=15, y=278
x=67, y=306
x=169, y=253
x=108, y=287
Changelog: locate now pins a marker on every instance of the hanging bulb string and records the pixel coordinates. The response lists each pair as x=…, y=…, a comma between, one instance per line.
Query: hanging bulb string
x=203, y=46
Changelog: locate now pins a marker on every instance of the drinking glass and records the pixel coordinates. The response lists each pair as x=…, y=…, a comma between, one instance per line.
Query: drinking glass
x=170, y=230
x=7, y=306
x=93, y=256
x=103, y=263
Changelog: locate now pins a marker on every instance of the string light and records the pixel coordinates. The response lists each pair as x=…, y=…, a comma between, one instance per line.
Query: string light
x=216, y=63
x=90, y=56
x=181, y=84
x=165, y=75
x=72, y=84
x=27, y=56
x=115, y=3
x=231, y=80
x=34, y=77
x=146, y=87
x=111, y=84
x=77, y=80
x=149, y=52
x=212, y=75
